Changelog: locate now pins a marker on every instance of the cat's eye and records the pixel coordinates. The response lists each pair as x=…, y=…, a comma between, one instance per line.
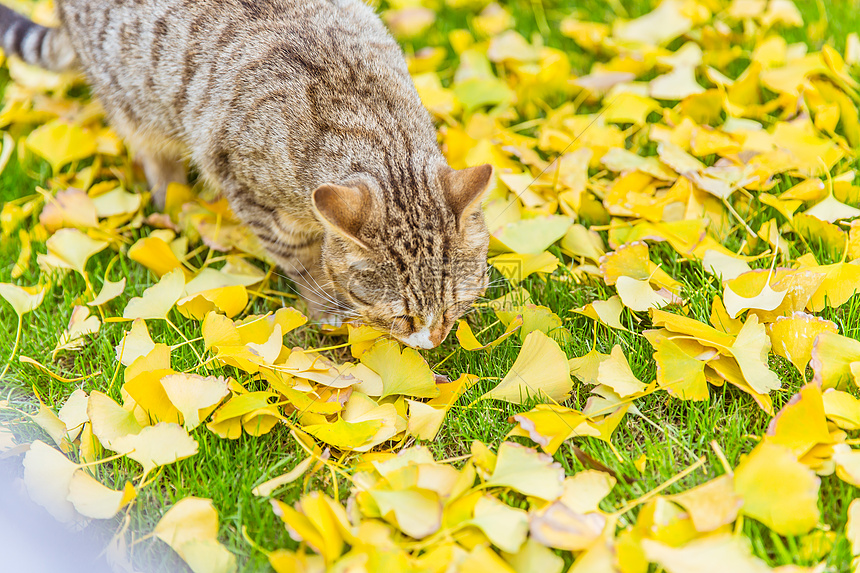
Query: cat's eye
x=410, y=322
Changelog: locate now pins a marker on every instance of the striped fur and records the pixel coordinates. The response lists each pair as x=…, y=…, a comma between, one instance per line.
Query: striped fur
x=274, y=99
x=38, y=45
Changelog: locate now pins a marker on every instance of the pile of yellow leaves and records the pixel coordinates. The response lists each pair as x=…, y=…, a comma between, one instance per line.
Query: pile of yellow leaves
x=652, y=145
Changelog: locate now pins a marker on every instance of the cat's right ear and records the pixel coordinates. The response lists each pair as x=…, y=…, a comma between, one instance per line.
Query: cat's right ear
x=465, y=188
x=344, y=209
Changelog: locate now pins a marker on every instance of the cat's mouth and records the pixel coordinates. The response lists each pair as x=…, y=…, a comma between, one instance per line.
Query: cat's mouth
x=426, y=338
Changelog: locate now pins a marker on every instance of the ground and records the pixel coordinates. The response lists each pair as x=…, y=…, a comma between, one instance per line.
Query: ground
x=670, y=433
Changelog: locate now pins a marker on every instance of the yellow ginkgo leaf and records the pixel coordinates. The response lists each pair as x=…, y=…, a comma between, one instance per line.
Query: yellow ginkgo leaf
x=424, y=420
x=676, y=85
x=191, y=518
x=584, y=490
x=345, y=435
x=750, y=349
x=361, y=409
x=218, y=330
x=46, y=419
x=69, y=208
x=158, y=299
x=769, y=476
x=110, y=290
x=416, y=512
x=832, y=357
x=143, y=385
x=580, y=241
x=660, y=26
x=842, y=409
x=318, y=521
x=639, y=296
x=723, y=265
x=585, y=368
x=109, y=420
x=158, y=445
x=48, y=475
x=615, y=373
x=550, y=426
x=403, y=372
x=632, y=260
x=71, y=249
x=720, y=318
x=194, y=396
x=711, y=554
x=534, y=557
x=80, y=325
x=61, y=142
x=528, y=472
x=841, y=282
x=793, y=337
x=852, y=528
x=607, y=312
x=517, y=266
x=23, y=299
x=505, y=526
x=469, y=342
x=229, y=299
x=250, y=412
x=767, y=299
x=712, y=504
x=74, y=414
x=117, y=202
x=135, y=343
x=560, y=527
x=531, y=236
x=267, y=487
x=155, y=254
x=800, y=425
x=94, y=500
x=680, y=374
x=190, y=528
x=540, y=371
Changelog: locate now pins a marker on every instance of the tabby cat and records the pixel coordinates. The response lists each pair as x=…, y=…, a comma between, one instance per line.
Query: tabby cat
x=303, y=114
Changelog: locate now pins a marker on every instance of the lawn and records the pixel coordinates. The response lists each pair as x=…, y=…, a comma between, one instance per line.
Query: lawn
x=521, y=110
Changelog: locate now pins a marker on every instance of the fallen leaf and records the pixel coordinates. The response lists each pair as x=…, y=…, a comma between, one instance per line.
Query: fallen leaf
x=190, y=528
x=540, y=371
x=48, y=475
x=528, y=472
x=92, y=499
x=158, y=445
x=768, y=476
x=403, y=371
x=158, y=299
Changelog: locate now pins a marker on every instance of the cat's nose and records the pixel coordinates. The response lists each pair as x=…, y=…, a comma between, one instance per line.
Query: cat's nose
x=438, y=334
x=428, y=337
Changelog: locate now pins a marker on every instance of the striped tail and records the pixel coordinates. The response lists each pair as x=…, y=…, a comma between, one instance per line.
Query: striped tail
x=48, y=48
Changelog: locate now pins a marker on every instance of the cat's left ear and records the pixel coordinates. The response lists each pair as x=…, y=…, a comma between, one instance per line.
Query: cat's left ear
x=346, y=209
x=465, y=188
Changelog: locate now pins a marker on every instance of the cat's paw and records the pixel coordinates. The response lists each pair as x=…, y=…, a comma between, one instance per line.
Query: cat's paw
x=332, y=320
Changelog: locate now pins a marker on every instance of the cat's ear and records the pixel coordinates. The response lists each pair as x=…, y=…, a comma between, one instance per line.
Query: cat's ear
x=345, y=209
x=465, y=188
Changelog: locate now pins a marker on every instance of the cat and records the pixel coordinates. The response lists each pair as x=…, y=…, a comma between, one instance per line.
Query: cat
x=303, y=114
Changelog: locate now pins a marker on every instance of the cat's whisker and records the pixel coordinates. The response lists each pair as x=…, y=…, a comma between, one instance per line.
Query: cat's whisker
x=303, y=282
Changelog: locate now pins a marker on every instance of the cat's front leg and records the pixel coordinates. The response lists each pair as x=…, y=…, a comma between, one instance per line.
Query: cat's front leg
x=160, y=172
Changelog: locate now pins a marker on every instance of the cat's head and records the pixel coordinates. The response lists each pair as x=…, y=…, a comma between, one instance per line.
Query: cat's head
x=409, y=264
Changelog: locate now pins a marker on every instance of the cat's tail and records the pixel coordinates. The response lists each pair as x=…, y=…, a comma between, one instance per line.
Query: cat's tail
x=48, y=48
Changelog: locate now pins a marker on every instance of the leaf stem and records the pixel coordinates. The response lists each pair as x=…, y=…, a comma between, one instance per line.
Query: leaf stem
x=665, y=485
x=14, y=347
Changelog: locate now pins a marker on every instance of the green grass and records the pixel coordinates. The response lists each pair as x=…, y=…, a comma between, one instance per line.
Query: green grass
x=670, y=433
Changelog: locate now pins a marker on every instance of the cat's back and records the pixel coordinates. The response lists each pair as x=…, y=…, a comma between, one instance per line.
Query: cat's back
x=172, y=62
